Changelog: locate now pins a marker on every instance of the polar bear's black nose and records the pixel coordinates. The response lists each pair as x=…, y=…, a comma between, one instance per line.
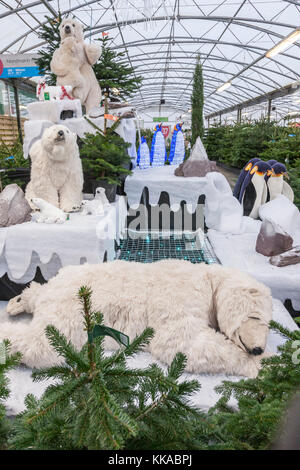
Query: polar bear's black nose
x=67, y=29
x=60, y=133
x=257, y=351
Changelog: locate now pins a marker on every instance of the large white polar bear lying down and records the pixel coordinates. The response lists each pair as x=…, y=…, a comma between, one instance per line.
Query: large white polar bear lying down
x=217, y=317
x=56, y=170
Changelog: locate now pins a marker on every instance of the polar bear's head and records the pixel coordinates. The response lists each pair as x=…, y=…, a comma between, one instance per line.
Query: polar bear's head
x=70, y=27
x=245, y=313
x=59, y=143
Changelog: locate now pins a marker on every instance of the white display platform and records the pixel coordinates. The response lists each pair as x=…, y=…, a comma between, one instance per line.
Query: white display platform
x=21, y=383
x=25, y=247
x=33, y=131
x=238, y=251
x=162, y=178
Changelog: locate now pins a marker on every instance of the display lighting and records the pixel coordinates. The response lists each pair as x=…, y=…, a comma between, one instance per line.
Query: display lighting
x=284, y=43
x=223, y=87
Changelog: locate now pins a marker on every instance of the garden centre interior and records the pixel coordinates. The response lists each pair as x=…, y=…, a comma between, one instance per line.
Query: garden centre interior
x=149, y=225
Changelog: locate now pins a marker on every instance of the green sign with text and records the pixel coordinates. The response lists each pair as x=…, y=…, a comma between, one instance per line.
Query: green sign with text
x=160, y=119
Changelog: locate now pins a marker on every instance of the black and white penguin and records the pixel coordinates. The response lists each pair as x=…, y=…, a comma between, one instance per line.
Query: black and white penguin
x=254, y=189
x=242, y=176
x=276, y=184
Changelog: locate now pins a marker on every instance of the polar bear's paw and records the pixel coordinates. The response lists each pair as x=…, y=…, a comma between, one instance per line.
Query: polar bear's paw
x=15, y=306
x=71, y=207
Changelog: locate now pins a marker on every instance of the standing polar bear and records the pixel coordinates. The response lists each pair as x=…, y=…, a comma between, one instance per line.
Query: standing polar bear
x=72, y=64
x=56, y=170
x=217, y=317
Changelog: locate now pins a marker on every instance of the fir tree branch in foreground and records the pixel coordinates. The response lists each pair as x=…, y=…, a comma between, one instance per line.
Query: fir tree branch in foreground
x=97, y=402
x=7, y=362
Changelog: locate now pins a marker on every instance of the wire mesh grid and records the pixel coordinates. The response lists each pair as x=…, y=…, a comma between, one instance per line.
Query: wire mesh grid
x=148, y=247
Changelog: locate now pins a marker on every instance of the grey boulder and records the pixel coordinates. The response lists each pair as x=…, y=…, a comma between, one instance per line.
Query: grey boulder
x=14, y=209
x=272, y=239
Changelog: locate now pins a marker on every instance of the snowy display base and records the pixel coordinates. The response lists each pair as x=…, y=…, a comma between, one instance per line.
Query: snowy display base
x=222, y=210
x=26, y=246
x=238, y=251
x=51, y=110
x=21, y=383
x=33, y=130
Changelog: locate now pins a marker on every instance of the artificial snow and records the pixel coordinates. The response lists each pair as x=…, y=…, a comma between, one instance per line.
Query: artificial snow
x=21, y=383
x=33, y=129
x=238, y=251
x=222, y=210
x=26, y=246
x=282, y=212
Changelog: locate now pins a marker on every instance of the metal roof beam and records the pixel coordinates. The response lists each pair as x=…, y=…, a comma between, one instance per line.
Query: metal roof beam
x=280, y=92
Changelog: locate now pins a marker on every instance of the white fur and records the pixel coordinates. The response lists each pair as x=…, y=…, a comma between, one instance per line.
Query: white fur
x=56, y=170
x=72, y=64
x=48, y=213
x=202, y=311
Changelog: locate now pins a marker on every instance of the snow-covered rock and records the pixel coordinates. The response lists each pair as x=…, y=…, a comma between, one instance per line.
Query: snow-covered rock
x=197, y=164
x=282, y=212
x=222, y=210
x=14, y=209
x=272, y=239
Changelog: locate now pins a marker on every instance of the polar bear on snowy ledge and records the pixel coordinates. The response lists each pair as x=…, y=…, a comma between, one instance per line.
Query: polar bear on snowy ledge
x=56, y=171
x=217, y=317
x=72, y=64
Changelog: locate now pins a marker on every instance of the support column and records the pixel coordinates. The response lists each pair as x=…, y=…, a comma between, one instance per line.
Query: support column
x=17, y=102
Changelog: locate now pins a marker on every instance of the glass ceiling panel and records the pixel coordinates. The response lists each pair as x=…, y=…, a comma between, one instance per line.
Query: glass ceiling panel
x=162, y=39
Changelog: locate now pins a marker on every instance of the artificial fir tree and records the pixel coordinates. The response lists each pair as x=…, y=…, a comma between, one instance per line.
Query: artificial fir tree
x=197, y=101
x=113, y=72
x=7, y=362
x=262, y=402
x=104, y=154
x=49, y=32
x=97, y=402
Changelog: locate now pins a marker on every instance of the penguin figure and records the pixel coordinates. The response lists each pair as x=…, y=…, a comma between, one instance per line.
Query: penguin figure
x=254, y=189
x=177, y=151
x=269, y=172
x=158, y=147
x=242, y=176
x=143, y=155
x=276, y=184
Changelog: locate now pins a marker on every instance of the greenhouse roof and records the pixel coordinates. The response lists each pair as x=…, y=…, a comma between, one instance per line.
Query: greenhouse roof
x=161, y=40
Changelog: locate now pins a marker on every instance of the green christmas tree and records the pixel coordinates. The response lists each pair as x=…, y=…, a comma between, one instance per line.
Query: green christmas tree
x=7, y=362
x=197, y=101
x=49, y=32
x=262, y=402
x=114, y=74
x=104, y=154
x=97, y=402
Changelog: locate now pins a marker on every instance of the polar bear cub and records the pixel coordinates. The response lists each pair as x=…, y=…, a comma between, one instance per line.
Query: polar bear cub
x=56, y=170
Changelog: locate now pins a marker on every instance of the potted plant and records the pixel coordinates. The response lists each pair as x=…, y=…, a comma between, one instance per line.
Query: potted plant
x=105, y=159
x=13, y=166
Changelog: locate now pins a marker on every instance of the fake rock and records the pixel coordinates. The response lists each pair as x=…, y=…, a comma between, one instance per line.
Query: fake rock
x=198, y=164
x=285, y=259
x=14, y=209
x=272, y=239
